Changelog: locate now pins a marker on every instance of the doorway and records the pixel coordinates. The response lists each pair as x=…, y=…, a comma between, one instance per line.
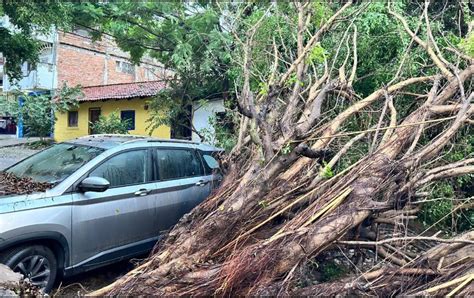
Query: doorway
x=94, y=114
x=7, y=126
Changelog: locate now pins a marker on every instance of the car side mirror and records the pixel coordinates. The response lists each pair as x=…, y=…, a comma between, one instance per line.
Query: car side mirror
x=96, y=184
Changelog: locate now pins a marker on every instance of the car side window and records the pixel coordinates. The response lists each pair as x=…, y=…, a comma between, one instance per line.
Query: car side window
x=126, y=168
x=211, y=165
x=177, y=163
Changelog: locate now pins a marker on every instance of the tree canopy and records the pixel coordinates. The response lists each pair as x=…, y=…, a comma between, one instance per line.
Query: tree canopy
x=21, y=22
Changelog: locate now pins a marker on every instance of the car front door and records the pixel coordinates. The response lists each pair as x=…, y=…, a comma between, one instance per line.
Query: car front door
x=124, y=214
x=181, y=183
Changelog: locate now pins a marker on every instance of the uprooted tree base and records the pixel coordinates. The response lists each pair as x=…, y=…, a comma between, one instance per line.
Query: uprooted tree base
x=11, y=185
x=278, y=209
x=13, y=284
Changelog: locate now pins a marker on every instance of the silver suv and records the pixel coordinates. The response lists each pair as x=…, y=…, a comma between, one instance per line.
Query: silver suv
x=110, y=199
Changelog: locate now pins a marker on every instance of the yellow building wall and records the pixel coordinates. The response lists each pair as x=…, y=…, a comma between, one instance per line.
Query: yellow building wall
x=63, y=133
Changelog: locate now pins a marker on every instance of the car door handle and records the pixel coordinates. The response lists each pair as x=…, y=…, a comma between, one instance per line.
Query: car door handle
x=201, y=183
x=142, y=192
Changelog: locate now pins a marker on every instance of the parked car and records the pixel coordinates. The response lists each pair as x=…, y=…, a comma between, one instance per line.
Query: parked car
x=110, y=199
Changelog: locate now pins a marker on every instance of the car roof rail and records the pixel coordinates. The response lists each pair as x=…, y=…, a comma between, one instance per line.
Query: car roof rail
x=157, y=140
x=137, y=138
x=110, y=135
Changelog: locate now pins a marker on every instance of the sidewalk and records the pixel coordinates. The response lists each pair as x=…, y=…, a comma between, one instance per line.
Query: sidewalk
x=12, y=155
x=8, y=141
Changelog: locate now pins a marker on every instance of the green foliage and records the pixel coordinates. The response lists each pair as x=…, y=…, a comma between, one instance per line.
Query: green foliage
x=317, y=54
x=17, y=48
x=443, y=213
x=436, y=213
x=467, y=45
x=320, y=12
x=293, y=80
x=17, y=43
x=38, y=111
x=263, y=88
x=441, y=209
x=185, y=37
x=111, y=124
x=165, y=110
x=326, y=171
x=380, y=45
x=224, y=135
x=330, y=270
x=286, y=149
x=41, y=144
x=38, y=115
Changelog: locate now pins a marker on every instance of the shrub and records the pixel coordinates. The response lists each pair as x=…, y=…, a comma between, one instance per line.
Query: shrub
x=111, y=124
x=38, y=111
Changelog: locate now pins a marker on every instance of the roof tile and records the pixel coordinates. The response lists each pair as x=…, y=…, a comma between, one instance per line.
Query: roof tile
x=122, y=91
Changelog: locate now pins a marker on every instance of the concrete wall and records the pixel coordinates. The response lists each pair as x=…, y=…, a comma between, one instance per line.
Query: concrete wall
x=62, y=132
x=201, y=115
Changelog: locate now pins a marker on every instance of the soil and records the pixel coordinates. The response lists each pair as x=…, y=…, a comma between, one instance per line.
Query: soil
x=84, y=283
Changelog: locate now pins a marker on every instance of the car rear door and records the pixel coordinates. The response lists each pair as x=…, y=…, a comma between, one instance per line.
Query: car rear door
x=181, y=182
x=124, y=214
x=211, y=168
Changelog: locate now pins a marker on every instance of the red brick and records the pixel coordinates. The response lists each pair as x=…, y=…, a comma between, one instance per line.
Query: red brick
x=81, y=61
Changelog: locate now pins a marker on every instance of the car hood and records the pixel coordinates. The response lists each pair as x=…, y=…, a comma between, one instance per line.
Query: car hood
x=14, y=203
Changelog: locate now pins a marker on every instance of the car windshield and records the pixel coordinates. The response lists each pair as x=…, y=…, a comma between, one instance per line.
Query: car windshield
x=56, y=163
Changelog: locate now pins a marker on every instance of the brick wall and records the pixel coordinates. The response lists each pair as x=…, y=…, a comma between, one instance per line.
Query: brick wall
x=81, y=61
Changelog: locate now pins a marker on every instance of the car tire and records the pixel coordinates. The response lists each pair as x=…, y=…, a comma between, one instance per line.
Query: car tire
x=36, y=262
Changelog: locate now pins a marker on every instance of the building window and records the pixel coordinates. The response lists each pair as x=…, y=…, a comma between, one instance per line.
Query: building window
x=72, y=118
x=46, y=53
x=151, y=73
x=125, y=67
x=130, y=116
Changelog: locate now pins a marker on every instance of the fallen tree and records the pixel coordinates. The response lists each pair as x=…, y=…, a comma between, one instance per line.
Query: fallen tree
x=280, y=205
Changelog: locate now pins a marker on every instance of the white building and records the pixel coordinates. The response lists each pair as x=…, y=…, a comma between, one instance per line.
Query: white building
x=202, y=113
x=44, y=75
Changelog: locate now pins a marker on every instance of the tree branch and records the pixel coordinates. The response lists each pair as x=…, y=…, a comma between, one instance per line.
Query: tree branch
x=447, y=171
x=399, y=239
x=306, y=151
x=354, y=58
x=315, y=113
x=423, y=44
x=312, y=41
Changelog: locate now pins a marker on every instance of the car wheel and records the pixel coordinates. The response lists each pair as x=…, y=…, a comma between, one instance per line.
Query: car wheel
x=36, y=262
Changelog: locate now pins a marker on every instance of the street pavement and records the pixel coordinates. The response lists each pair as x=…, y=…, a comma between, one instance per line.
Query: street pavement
x=12, y=150
x=11, y=155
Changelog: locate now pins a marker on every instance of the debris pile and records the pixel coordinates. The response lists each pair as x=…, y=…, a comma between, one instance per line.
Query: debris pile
x=11, y=184
x=13, y=284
